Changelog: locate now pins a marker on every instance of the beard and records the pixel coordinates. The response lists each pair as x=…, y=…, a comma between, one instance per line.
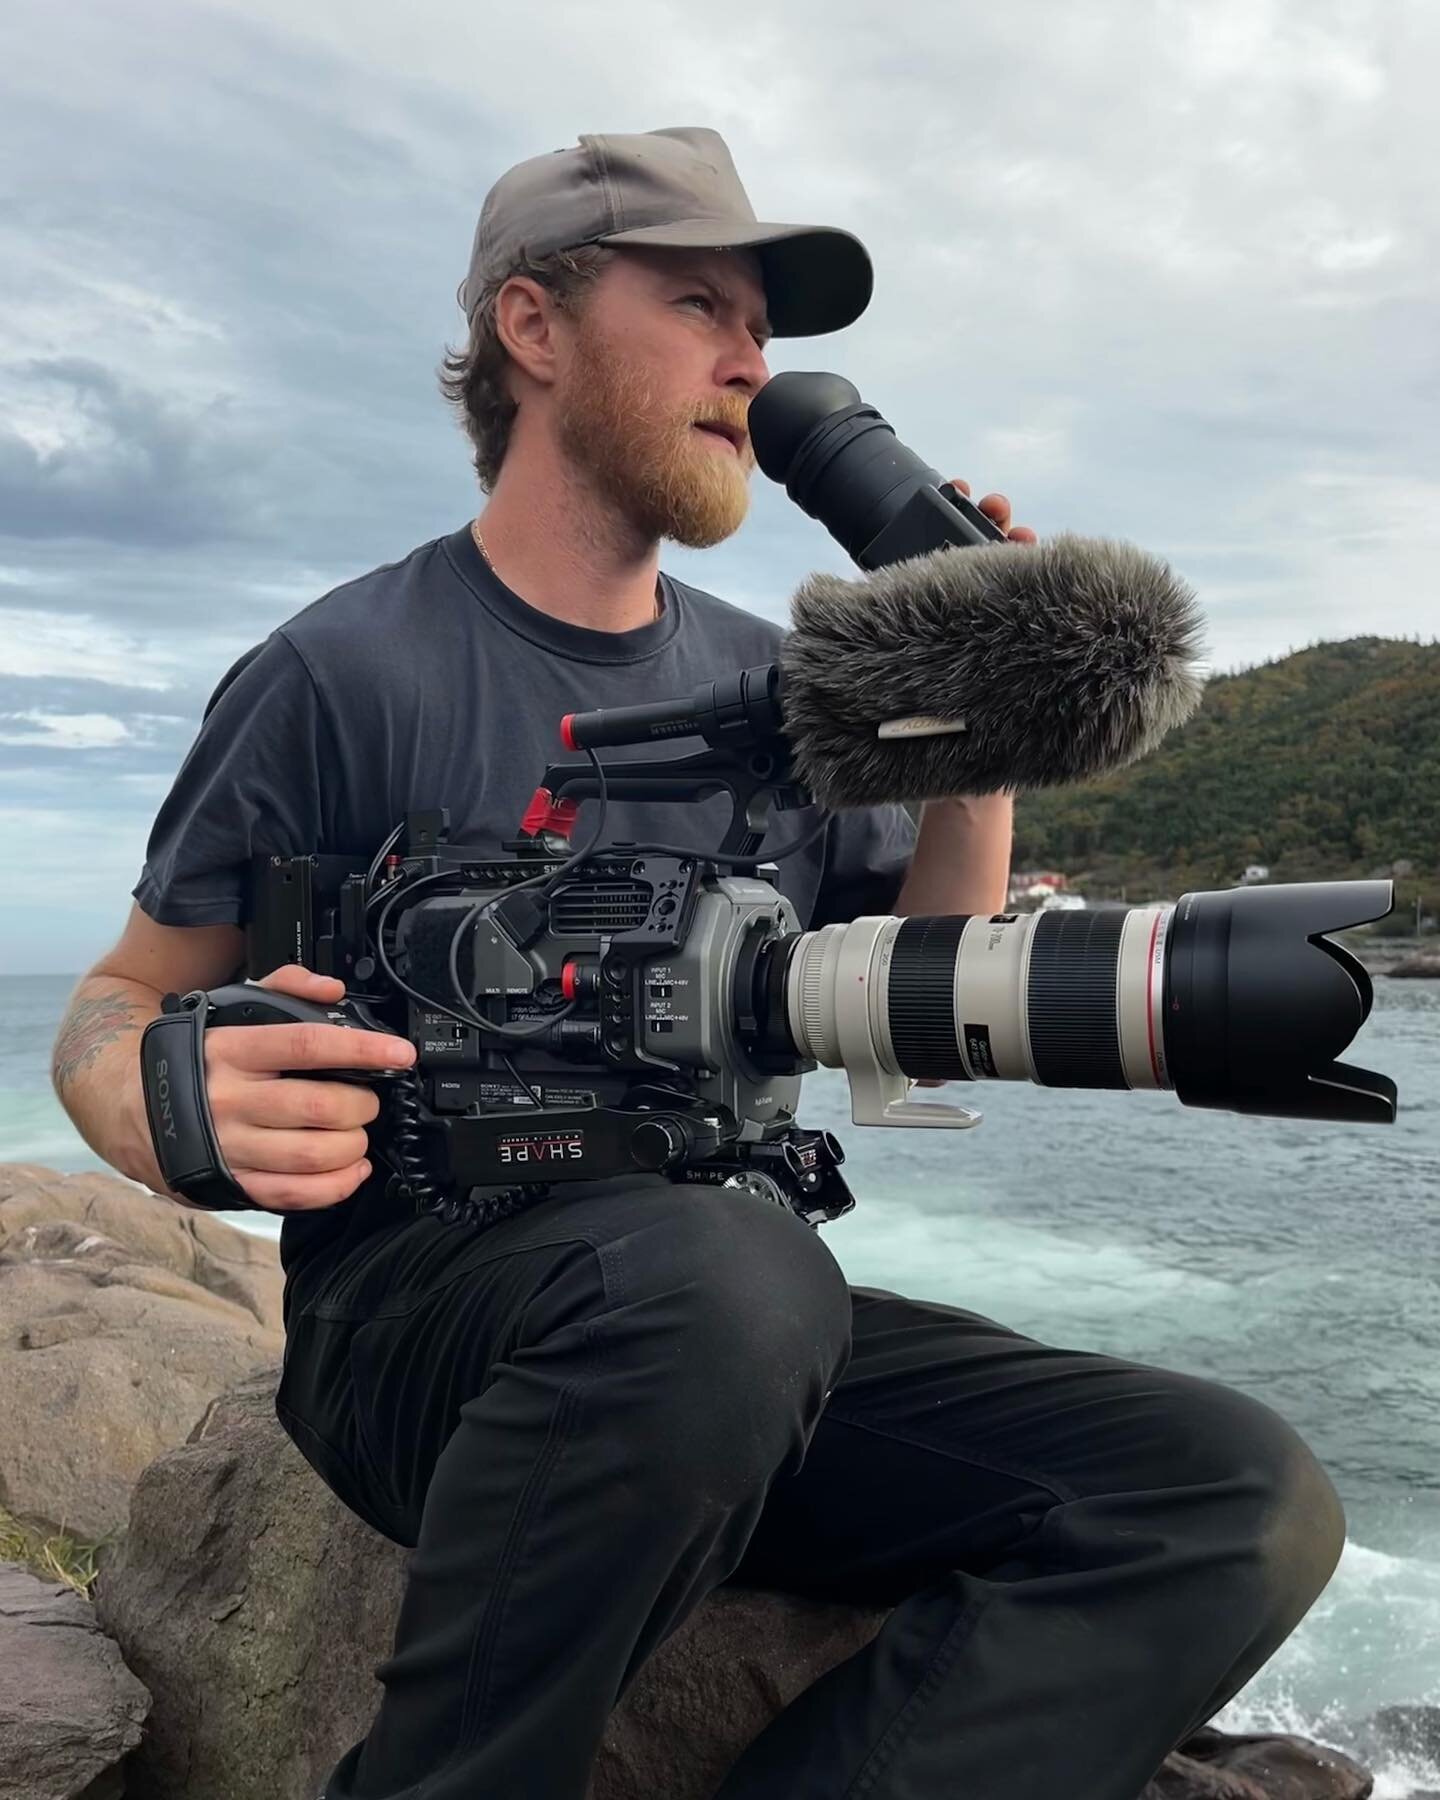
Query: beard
x=649, y=460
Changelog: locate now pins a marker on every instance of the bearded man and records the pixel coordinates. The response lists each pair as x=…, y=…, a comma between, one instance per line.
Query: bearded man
x=585, y=1417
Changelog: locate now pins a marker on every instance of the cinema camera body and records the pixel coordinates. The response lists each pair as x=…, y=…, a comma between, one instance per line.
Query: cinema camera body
x=654, y=1007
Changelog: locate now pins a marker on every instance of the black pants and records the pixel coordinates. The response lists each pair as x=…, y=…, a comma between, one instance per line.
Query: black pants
x=587, y=1417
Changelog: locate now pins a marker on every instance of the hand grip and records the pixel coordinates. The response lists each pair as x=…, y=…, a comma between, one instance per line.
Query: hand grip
x=172, y=1074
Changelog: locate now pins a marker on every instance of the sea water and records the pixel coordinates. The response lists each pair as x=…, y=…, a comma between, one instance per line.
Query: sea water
x=1297, y=1262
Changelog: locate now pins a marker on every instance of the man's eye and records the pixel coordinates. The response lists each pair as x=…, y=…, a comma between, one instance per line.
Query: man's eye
x=704, y=300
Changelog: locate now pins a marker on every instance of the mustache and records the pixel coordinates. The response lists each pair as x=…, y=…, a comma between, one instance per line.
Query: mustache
x=734, y=420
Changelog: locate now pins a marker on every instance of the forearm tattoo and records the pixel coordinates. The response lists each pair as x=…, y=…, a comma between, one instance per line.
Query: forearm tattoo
x=90, y=1025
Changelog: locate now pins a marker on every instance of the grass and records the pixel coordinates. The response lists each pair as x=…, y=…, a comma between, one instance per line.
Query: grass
x=54, y=1556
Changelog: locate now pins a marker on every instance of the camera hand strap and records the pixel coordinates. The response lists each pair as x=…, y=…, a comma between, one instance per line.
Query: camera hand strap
x=172, y=1071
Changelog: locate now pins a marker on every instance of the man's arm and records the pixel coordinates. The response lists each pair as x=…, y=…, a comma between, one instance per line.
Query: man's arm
x=95, y=1064
x=961, y=860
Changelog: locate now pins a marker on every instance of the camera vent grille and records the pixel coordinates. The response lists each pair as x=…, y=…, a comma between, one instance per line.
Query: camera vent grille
x=599, y=906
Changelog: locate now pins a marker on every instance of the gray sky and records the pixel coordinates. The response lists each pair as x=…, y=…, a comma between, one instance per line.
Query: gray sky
x=1159, y=271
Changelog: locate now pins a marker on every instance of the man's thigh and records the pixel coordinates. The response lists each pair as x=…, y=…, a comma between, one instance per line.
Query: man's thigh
x=949, y=1440
x=409, y=1324
x=412, y=1324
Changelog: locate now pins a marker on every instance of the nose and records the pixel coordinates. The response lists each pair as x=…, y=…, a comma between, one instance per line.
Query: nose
x=745, y=368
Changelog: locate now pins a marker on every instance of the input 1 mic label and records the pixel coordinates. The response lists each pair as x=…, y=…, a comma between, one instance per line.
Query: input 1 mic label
x=978, y=1052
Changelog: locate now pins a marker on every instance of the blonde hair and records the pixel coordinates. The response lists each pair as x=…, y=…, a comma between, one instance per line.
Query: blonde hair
x=473, y=379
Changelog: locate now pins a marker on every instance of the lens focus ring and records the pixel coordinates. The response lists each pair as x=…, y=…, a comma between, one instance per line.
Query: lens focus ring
x=1071, y=999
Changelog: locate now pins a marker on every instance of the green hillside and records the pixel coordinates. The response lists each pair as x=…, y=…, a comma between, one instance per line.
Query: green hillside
x=1322, y=766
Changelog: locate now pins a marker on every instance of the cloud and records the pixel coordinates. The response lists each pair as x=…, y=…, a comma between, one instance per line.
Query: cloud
x=63, y=731
x=81, y=731
x=88, y=455
x=1166, y=274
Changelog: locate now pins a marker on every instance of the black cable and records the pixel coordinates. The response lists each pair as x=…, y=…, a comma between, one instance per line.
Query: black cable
x=543, y=880
x=520, y=1080
x=379, y=857
x=733, y=861
x=407, y=890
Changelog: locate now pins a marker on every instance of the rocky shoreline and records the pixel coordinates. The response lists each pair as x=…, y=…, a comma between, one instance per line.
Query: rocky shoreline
x=228, y=1650
x=1413, y=958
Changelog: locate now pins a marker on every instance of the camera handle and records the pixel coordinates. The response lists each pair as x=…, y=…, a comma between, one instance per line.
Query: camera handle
x=755, y=783
x=172, y=1075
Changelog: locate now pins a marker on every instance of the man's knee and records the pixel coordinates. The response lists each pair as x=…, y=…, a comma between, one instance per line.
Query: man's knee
x=734, y=1318
x=1291, y=1529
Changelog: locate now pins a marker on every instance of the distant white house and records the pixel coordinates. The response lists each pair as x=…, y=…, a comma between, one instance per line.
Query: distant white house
x=1037, y=884
x=1255, y=872
x=1063, y=903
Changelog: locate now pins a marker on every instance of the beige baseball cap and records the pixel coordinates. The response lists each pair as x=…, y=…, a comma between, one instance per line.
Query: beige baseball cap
x=678, y=188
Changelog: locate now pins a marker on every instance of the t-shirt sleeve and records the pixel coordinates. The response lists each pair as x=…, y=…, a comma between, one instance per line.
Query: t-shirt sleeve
x=250, y=783
x=867, y=856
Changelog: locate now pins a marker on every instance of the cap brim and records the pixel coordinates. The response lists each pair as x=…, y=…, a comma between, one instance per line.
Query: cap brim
x=817, y=278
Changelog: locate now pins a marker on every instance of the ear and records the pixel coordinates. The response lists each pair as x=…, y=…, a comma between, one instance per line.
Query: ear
x=525, y=323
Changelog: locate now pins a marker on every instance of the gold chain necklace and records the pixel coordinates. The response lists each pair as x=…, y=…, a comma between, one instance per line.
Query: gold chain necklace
x=480, y=546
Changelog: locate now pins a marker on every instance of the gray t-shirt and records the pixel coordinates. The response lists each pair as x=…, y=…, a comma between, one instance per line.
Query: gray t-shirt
x=427, y=683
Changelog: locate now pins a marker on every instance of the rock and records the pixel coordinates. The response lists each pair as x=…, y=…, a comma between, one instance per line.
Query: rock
x=1218, y=1765
x=255, y=1608
x=715, y=1684
x=1409, y=1731
x=69, y=1708
x=1405, y=1735
x=1424, y=965
x=233, y=1265
x=124, y=1316
x=253, y=1605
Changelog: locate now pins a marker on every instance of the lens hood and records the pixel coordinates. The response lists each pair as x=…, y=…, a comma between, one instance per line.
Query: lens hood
x=1259, y=1002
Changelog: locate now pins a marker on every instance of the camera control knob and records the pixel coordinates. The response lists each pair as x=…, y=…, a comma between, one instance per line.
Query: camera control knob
x=659, y=1143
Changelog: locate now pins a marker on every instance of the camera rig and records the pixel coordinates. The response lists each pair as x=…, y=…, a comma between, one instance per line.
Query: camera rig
x=575, y=1015
x=653, y=1007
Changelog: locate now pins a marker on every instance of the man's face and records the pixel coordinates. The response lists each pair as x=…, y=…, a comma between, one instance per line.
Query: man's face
x=669, y=338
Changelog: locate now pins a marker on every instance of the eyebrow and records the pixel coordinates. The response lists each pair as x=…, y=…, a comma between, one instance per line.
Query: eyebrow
x=760, y=324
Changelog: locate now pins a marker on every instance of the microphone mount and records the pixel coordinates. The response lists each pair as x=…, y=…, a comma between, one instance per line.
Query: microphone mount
x=747, y=757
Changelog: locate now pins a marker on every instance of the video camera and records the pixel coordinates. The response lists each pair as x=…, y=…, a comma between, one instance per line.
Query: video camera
x=653, y=1007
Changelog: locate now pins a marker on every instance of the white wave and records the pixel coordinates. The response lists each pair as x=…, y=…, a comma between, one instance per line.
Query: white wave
x=1371, y=1640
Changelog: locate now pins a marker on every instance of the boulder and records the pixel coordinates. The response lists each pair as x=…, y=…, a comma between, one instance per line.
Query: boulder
x=253, y=1605
x=122, y=1317
x=255, y=1608
x=69, y=1708
x=1423, y=965
x=1403, y=1738
x=202, y=1249
x=1218, y=1765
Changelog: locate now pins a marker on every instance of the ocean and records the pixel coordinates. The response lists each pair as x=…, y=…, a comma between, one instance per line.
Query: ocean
x=1297, y=1262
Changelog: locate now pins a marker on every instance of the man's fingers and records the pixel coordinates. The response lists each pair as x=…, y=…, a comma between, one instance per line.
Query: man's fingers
x=303, y=983
x=301, y=1193
x=997, y=507
x=293, y=1152
x=271, y=1048
x=255, y=1099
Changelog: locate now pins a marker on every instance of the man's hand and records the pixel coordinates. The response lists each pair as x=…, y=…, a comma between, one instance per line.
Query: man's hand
x=296, y=1144
x=996, y=507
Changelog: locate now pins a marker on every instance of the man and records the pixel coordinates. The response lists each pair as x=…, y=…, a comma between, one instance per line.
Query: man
x=586, y=1417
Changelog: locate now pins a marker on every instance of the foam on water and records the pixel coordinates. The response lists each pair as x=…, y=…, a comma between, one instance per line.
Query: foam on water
x=1371, y=1640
